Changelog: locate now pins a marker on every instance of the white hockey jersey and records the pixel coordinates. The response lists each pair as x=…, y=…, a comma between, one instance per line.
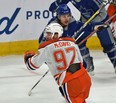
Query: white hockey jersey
x=58, y=54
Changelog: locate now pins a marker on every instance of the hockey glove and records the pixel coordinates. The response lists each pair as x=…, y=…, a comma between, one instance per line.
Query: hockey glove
x=28, y=55
x=53, y=7
x=100, y=27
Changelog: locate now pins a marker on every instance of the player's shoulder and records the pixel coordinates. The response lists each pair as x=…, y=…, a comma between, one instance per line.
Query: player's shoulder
x=44, y=44
x=67, y=39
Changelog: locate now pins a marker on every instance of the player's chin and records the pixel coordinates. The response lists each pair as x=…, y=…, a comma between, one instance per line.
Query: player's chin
x=66, y=23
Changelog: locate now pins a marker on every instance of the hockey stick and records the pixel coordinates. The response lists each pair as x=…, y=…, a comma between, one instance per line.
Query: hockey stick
x=99, y=28
x=37, y=82
x=88, y=21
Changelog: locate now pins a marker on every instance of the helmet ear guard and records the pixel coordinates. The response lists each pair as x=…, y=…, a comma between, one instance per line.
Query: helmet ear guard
x=54, y=28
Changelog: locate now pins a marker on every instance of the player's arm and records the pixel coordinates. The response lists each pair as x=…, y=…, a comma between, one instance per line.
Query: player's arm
x=34, y=60
x=95, y=4
x=56, y=3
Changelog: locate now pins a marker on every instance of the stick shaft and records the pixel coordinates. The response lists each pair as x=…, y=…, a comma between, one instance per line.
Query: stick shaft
x=38, y=82
x=89, y=20
x=97, y=29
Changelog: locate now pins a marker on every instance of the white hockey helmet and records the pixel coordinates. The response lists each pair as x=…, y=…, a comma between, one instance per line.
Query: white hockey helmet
x=54, y=28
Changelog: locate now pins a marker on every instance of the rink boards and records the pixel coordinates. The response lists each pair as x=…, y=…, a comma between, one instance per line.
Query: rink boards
x=19, y=47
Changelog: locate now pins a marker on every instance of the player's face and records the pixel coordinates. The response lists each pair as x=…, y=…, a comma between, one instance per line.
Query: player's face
x=49, y=36
x=65, y=19
x=55, y=36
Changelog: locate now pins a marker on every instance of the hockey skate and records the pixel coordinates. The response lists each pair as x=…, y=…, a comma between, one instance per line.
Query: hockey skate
x=90, y=67
x=91, y=70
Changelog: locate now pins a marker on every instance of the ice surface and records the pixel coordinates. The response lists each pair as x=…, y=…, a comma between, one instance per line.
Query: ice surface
x=16, y=81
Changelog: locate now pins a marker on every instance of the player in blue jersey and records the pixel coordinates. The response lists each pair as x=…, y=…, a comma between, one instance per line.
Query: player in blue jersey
x=87, y=8
x=70, y=26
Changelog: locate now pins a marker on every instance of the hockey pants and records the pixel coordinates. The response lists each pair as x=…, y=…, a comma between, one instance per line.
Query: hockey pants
x=76, y=86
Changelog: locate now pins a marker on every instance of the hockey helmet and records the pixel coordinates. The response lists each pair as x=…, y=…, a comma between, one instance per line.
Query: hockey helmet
x=63, y=9
x=54, y=28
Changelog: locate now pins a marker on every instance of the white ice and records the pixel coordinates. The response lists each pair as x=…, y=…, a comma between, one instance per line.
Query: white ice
x=16, y=81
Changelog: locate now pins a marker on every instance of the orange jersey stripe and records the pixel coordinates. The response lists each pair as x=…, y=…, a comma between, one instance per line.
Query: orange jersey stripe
x=42, y=45
x=33, y=64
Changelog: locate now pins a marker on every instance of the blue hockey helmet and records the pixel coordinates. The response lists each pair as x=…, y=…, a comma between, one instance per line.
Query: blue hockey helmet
x=63, y=9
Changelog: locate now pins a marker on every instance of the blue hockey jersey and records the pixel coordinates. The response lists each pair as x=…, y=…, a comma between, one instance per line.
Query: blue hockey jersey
x=86, y=7
x=69, y=30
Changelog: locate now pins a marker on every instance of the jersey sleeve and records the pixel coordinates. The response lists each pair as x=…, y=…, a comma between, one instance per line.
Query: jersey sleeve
x=95, y=4
x=37, y=60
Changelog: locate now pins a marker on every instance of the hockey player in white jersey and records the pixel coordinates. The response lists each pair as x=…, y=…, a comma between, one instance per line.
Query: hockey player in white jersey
x=65, y=62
